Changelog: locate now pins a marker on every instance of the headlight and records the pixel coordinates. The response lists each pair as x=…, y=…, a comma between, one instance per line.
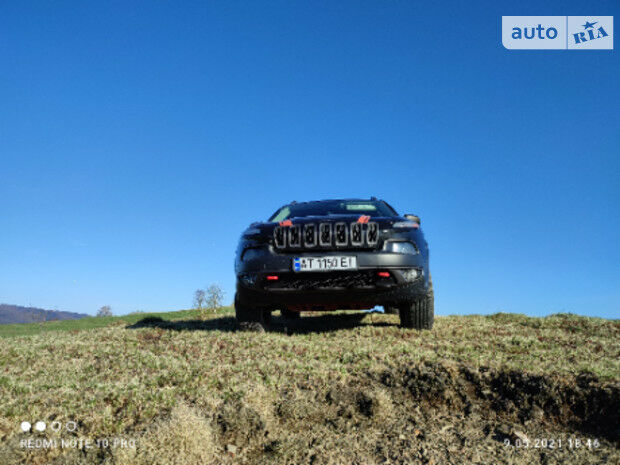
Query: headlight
x=251, y=232
x=406, y=224
x=251, y=254
x=401, y=247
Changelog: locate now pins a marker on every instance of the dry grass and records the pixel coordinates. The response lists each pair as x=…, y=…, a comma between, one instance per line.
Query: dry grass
x=340, y=388
x=185, y=437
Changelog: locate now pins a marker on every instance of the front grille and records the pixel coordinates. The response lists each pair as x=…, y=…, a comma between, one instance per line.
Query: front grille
x=336, y=280
x=326, y=235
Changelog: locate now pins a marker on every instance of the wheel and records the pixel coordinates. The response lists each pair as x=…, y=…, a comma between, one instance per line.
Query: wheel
x=246, y=314
x=419, y=314
x=290, y=315
x=430, y=299
x=390, y=309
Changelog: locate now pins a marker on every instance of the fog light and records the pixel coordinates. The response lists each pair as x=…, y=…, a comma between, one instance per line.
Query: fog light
x=248, y=279
x=411, y=275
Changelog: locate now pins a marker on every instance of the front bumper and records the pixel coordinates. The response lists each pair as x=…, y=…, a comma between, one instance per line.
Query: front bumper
x=270, y=261
x=362, y=288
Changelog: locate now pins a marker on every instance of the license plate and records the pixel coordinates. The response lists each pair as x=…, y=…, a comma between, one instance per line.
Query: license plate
x=328, y=263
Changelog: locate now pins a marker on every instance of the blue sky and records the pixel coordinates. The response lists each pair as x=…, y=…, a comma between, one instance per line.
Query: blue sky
x=138, y=139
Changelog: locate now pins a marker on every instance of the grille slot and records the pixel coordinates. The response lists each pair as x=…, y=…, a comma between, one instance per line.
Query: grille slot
x=372, y=234
x=357, y=235
x=279, y=237
x=325, y=234
x=310, y=235
x=294, y=236
x=341, y=234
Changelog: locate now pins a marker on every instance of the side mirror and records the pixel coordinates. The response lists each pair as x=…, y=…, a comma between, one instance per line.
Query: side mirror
x=414, y=218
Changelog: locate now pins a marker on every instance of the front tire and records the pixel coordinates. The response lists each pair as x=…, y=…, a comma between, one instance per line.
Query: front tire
x=419, y=314
x=390, y=310
x=246, y=314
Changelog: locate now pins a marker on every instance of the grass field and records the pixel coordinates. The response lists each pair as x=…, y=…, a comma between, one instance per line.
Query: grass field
x=329, y=388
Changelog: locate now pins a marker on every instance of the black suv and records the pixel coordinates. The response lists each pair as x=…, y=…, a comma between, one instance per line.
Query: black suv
x=334, y=254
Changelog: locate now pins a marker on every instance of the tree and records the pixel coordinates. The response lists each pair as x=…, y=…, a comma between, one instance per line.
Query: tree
x=214, y=299
x=199, y=298
x=106, y=310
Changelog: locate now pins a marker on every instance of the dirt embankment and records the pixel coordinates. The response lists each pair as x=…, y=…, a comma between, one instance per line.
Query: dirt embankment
x=431, y=414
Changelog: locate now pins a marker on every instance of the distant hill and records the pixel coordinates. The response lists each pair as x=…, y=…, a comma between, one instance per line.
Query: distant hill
x=17, y=314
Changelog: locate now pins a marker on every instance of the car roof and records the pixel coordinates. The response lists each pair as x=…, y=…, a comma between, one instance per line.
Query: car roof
x=372, y=199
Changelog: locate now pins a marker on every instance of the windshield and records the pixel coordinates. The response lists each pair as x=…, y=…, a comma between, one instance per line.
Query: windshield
x=334, y=207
